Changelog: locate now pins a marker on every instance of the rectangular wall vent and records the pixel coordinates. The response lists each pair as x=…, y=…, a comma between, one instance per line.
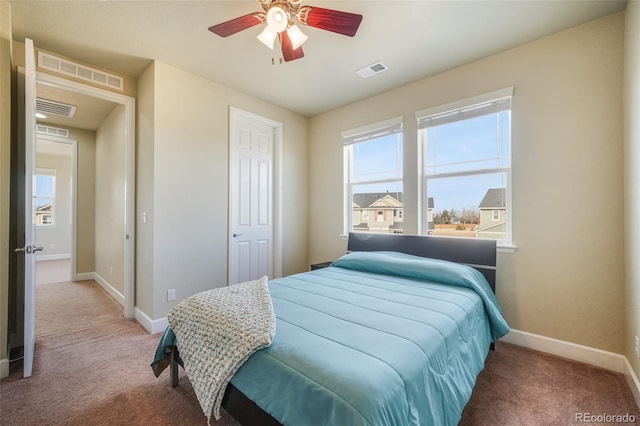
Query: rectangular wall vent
x=83, y=72
x=46, y=106
x=372, y=69
x=50, y=130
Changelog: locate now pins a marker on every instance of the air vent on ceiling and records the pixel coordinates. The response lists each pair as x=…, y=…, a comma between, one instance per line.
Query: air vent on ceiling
x=372, y=69
x=50, y=130
x=83, y=72
x=46, y=106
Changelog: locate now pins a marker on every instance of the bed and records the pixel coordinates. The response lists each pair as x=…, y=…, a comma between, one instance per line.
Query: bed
x=394, y=332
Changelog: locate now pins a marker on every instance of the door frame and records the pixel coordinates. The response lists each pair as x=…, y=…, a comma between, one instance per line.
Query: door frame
x=129, y=221
x=74, y=191
x=234, y=114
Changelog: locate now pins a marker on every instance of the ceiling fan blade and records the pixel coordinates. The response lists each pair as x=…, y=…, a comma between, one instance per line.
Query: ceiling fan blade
x=288, y=52
x=233, y=26
x=344, y=23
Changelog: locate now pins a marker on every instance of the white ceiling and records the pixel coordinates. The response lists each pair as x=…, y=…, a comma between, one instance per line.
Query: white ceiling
x=90, y=111
x=415, y=39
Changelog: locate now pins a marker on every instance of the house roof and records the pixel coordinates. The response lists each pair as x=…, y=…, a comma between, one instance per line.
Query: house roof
x=44, y=208
x=382, y=199
x=494, y=198
x=393, y=199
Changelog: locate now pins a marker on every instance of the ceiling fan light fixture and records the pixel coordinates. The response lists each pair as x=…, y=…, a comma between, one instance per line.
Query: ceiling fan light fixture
x=267, y=37
x=277, y=19
x=297, y=36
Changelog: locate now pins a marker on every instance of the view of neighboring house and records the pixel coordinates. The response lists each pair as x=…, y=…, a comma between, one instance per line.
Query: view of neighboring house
x=493, y=215
x=44, y=215
x=382, y=212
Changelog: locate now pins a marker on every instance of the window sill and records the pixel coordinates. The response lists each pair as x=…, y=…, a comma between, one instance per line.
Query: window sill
x=506, y=248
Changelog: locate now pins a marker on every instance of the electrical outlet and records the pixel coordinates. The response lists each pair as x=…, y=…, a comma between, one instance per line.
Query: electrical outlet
x=637, y=347
x=51, y=246
x=171, y=295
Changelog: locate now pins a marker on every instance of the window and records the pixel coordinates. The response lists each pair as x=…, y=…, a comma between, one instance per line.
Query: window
x=466, y=167
x=44, y=193
x=373, y=177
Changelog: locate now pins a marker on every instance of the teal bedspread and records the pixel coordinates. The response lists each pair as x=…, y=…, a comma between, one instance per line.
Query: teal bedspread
x=376, y=339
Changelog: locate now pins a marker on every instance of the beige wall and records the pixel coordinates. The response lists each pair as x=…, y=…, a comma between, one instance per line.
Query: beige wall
x=85, y=218
x=188, y=160
x=60, y=234
x=110, y=199
x=5, y=151
x=566, y=279
x=632, y=177
x=144, y=189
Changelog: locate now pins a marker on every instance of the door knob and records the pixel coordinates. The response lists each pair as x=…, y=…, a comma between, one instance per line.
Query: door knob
x=236, y=235
x=28, y=249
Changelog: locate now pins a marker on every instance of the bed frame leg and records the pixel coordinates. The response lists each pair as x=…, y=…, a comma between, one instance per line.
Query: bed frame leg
x=173, y=368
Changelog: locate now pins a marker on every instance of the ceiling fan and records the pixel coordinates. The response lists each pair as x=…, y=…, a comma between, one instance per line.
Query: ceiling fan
x=279, y=16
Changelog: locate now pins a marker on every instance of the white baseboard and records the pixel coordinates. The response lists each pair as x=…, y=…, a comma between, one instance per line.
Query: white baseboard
x=632, y=380
x=152, y=326
x=603, y=359
x=119, y=297
x=109, y=289
x=599, y=358
x=4, y=368
x=60, y=256
x=83, y=276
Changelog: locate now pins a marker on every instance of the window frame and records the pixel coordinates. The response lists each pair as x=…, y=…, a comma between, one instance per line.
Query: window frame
x=392, y=126
x=460, y=107
x=36, y=195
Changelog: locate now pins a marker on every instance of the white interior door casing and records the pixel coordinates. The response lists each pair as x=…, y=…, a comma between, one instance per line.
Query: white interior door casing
x=252, y=215
x=129, y=203
x=29, y=228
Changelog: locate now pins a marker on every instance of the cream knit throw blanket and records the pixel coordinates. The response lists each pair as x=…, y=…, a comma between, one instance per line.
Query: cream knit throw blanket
x=217, y=331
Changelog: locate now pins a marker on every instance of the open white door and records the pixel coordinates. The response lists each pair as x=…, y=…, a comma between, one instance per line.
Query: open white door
x=29, y=248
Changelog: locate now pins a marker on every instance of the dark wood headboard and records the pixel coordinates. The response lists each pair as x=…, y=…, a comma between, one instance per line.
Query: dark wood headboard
x=478, y=253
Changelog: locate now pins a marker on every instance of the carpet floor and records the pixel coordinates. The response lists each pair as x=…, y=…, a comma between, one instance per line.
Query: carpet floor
x=53, y=271
x=92, y=368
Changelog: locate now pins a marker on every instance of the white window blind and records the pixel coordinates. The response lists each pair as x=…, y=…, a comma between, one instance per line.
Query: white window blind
x=373, y=131
x=465, y=113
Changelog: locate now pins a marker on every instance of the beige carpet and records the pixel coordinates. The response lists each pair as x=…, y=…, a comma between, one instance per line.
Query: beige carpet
x=92, y=368
x=53, y=271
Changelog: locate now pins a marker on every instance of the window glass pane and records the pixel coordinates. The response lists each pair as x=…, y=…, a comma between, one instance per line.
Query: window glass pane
x=44, y=185
x=378, y=159
x=377, y=208
x=44, y=196
x=468, y=206
x=473, y=144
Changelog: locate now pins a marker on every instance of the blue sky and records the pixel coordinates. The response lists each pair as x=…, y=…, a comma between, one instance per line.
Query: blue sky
x=471, y=142
x=43, y=186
